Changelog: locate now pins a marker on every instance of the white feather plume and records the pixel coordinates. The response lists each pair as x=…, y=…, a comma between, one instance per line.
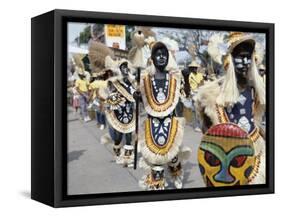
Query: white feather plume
x=217, y=47
x=110, y=63
x=259, y=53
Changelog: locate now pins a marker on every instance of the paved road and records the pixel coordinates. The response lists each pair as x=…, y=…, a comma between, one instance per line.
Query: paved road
x=91, y=168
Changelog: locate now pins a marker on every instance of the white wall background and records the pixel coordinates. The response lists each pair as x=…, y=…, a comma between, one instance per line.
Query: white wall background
x=15, y=106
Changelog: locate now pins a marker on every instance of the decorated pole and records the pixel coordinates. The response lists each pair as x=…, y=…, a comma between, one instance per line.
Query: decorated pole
x=137, y=120
x=136, y=56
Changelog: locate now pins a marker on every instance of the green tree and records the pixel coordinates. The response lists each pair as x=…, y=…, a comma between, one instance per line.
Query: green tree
x=85, y=35
x=129, y=30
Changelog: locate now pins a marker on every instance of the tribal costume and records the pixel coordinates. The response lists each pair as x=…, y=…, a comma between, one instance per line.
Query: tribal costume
x=121, y=116
x=222, y=102
x=161, y=144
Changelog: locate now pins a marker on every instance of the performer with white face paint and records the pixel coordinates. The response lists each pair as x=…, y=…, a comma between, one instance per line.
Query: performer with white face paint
x=238, y=97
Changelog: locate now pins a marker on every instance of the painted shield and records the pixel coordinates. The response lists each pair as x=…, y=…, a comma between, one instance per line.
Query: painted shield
x=226, y=156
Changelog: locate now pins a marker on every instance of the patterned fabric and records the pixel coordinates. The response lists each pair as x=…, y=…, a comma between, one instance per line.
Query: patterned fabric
x=160, y=84
x=160, y=97
x=160, y=129
x=242, y=112
x=126, y=89
x=124, y=113
x=160, y=134
x=128, y=86
x=121, y=115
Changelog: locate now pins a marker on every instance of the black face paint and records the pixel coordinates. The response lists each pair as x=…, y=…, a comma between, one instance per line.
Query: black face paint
x=242, y=62
x=242, y=59
x=82, y=76
x=262, y=72
x=124, y=69
x=160, y=58
x=193, y=69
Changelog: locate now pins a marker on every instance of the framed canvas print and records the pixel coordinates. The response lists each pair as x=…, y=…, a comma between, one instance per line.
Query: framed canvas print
x=134, y=108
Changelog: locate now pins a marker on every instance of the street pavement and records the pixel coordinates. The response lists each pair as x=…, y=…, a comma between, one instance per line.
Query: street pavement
x=91, y=165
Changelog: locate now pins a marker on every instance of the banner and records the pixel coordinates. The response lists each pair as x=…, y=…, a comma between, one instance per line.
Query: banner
x=115, y=36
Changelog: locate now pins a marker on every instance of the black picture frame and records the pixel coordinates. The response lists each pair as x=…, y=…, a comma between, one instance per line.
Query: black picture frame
x=49, y=114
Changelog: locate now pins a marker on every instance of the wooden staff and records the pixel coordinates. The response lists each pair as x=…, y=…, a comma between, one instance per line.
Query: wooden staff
x=137, y=120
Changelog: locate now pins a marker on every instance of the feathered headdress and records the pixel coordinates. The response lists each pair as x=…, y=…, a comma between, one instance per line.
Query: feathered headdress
x=259, y=53
x=217, y=47
x=77, y=59
x=220, y=48
x=98, y=53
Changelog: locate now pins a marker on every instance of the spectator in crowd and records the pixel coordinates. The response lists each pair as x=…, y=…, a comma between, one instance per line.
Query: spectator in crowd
x=195, y=80
x=81, y=86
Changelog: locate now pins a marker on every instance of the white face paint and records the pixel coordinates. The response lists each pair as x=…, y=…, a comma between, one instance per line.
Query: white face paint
x=242, y=62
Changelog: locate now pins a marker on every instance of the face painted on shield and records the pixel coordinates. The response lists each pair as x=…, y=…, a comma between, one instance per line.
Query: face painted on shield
x=226, y=156
x=242, y=59
x=160, y=57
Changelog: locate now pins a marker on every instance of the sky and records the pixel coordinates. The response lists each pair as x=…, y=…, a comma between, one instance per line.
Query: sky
x=74, y=30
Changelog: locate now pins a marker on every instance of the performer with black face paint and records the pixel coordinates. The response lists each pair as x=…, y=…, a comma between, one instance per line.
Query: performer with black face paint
x=120, y=114
x=161, y=144
x=238, y=97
